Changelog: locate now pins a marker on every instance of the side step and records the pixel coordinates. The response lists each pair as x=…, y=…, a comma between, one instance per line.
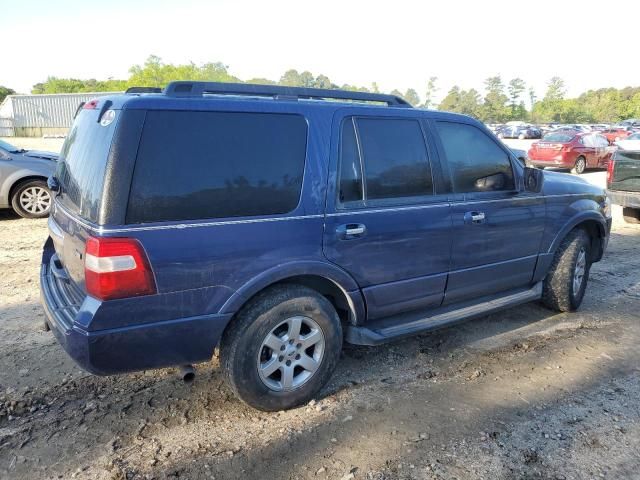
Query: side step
x=389, y=329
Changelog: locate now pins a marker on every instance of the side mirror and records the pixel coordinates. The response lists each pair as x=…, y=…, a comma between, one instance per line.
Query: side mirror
x=53, y=184
x=533, y=179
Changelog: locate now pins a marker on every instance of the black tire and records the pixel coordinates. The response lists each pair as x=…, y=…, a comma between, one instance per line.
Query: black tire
x=23, y=189
x=242, y=345
x=580, y=165
x=631, y=215
x=558, y=291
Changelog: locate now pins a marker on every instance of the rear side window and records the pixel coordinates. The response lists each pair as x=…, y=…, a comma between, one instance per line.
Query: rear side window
x=476, y=163
x=200, y=165
x=392, y=155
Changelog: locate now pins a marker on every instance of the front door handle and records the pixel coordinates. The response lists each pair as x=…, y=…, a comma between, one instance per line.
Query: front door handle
x=351, y=230
x=474, y=217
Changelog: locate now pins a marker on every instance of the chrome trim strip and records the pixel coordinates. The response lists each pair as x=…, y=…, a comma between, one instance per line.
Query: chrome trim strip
x=390, y=209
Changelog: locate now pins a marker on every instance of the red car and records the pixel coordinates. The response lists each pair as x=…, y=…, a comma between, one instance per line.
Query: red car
x=616, y=133
x=569, y=149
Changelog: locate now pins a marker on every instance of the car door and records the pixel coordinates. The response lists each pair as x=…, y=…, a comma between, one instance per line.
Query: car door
x=497, y=226
x=590, y=150
x=387, y=221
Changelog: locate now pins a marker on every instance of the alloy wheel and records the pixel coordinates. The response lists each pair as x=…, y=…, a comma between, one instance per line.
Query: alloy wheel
x=291, y=354
x=35, y=200
x=579, y=271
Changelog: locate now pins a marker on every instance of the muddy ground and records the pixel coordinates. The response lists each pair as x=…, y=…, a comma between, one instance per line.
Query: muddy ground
x=523, y=394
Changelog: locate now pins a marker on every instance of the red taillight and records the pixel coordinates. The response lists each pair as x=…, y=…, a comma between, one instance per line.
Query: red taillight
x=117, y=268
x=610, y=167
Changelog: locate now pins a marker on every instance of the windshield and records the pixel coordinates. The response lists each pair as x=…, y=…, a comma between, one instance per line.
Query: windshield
x=8, y=147
x=564, y=137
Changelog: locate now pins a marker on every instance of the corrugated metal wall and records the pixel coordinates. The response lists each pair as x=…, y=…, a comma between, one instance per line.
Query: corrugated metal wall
x=47, y=111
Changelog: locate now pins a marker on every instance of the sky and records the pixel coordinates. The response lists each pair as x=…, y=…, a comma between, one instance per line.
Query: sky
x=398, y=44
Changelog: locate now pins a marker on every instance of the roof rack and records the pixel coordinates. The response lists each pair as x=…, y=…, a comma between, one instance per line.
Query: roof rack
x=143, y=90
x=277, y=92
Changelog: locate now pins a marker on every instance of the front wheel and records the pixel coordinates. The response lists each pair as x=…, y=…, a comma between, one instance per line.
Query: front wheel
x=566, y=282
x=580, y=166
x=282, y=348
x=32, y=199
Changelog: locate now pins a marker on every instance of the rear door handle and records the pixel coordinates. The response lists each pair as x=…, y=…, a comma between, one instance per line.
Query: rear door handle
x=474, y=217
x=351, y=230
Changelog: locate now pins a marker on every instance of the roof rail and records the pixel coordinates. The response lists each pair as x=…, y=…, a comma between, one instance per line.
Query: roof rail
x=143, y=90
x=278, y=92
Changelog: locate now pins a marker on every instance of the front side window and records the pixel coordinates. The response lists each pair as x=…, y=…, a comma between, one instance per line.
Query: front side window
x=201, y=165
x=392, y=155
x=476, y=162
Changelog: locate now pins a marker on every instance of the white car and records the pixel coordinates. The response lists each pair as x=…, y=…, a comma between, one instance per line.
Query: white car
x=632, y=142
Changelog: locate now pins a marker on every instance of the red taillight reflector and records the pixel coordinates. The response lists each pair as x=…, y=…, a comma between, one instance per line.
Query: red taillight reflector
x=610, y=167
x=117, y=268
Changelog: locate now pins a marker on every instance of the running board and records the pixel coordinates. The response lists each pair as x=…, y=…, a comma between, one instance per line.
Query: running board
x=393, y=328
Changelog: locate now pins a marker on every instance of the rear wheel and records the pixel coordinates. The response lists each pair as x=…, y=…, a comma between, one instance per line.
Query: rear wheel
x=631, y=215
x=32, y=199
x=282, y=348
x=566, y=282
x=580, y=166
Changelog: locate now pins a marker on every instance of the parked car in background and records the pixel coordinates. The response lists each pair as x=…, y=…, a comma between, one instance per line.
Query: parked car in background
x=632, y=142
x=520, y=131
x=616, y=133
x=23, y=180
x=571, y=149
x=279, y=225
x=623, y=182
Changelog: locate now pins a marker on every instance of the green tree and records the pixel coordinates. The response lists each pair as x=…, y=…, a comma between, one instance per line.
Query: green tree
x=155, y=73
x=412, y=97
x=451, y=102
x=555, y=89
x=4, y=91
x=516, y=88
x=495, y=100
x=430, y=93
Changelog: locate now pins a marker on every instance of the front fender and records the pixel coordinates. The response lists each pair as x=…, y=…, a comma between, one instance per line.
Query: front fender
x=581, y=216
x=282, y=272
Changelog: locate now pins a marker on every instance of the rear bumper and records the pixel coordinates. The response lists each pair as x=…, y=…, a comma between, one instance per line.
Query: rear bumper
x=560, y=162
x=124, y=349
x=626, y=199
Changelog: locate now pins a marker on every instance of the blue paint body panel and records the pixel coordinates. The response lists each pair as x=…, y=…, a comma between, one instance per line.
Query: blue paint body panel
x=413, y=256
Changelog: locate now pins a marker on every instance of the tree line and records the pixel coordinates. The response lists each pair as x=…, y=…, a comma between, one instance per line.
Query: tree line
x=498, y=102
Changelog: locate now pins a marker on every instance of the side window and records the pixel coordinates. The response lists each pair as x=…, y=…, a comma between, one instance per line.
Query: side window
x=476, y=163
x=395, y=158
x=200, y=165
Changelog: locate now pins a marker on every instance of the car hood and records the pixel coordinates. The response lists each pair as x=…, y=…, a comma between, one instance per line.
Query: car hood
x=557, y=183
x=628, y=144
x=40, y=154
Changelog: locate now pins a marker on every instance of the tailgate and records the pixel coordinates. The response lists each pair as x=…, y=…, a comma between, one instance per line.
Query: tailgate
x=626, y=171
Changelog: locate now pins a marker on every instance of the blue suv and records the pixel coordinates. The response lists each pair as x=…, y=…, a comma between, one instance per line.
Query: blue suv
x=275, y=223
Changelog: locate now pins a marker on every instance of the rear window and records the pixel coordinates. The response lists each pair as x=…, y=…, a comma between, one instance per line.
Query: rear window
x=83, y=161
x=201, y=165
x=559, y=137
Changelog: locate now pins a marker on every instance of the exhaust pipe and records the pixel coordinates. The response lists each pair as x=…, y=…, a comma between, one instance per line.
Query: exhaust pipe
x=187, y=373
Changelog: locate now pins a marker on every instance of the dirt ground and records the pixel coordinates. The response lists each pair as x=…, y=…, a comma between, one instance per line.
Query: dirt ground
x=523, y=394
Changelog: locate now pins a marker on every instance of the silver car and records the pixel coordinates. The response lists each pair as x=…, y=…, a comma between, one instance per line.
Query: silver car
x=23, y=180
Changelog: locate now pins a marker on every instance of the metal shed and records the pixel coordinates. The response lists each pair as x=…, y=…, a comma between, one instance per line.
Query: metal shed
x=40, y=115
